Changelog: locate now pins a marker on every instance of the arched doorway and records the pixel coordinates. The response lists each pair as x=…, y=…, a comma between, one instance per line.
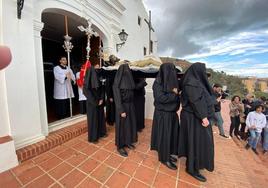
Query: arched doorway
x=52, y=41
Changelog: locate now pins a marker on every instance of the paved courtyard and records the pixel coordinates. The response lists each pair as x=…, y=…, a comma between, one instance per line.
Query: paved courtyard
x=78, y=163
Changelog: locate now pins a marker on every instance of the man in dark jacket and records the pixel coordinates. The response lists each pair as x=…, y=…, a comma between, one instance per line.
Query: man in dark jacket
x=217, y=119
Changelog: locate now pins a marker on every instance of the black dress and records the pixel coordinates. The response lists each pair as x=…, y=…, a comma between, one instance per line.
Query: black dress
x=196, y=141
x=123, y=88
x=165, y=129
x=139, y=102
x=110, y=106
x=94, y=91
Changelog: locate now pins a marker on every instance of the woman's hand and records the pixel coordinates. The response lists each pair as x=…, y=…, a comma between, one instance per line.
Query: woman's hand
x=100, y=102
x=175, y=90
x=123, y=115
x=205, y=122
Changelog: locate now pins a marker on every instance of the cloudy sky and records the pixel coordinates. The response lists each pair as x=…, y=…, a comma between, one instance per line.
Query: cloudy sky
x=228, y=35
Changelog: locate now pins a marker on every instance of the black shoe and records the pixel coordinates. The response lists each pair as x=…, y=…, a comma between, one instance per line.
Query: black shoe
x=170, y=165
x=173, y=159
x=198, y=176
x=94, y=142
x=247, y=146
x=224, y=136
x=122, y=152
x=131, y=146
x=264, y=152
x=255, y=151
x=104, y=136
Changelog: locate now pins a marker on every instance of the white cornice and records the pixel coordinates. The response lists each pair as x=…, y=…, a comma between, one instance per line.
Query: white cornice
x=117, y=5
x=95, y=8
x=113, y=18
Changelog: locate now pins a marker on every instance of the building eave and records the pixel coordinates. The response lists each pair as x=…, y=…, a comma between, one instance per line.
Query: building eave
x=116, y=5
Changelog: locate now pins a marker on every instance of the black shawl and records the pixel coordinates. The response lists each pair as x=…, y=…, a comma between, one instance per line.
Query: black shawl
x=196, y=76
x=167, y=77
x=123, y=78
x=91, y=79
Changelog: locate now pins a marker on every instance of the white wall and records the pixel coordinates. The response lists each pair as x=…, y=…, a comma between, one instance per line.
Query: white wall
x=149, y=99
x=4, y=117
x=5, y=126
x=138, y=34
x=21, y=77
x=138, y=39
x=8, y=157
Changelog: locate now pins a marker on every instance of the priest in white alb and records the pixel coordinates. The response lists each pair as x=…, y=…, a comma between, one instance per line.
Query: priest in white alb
x=63, y=90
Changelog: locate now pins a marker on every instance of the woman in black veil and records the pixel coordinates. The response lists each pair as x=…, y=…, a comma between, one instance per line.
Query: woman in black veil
x=94, y=91
x=125, y=119
x=196, y=138
x=165, y=129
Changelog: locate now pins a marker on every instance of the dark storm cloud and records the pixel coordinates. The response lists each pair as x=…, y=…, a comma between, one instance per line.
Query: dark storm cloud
x=184, y=26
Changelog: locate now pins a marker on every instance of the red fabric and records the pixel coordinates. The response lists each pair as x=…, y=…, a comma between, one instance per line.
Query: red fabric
x=83, y=70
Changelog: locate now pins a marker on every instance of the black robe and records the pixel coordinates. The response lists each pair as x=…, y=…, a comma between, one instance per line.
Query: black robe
x=94, y=91
x=196, y=141
x=123, y=88
x=139, y=102
x=110, y=106
x=165, y=129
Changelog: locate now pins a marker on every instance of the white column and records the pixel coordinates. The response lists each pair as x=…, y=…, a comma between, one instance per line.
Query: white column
x=5, y=124
x=4, y=116
x=21, y=75
x=8, y=157
x=38, y=26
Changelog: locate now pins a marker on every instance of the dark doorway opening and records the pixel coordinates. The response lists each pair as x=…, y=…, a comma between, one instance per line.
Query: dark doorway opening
x=52, y=42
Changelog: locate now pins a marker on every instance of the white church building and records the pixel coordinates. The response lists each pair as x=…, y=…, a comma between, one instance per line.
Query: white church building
x=34, y=30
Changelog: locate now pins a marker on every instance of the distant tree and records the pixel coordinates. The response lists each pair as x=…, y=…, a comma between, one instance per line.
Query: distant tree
x=234, y=84
x=259, y=94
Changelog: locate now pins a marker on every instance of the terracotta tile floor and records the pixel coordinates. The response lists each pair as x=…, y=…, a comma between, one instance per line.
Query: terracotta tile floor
x=78, y=163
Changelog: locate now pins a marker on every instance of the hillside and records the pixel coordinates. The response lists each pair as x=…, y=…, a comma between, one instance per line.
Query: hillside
x=182, y=63
x=234, y=83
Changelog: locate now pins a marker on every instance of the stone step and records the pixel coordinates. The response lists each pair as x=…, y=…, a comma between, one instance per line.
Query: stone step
x=52, y=140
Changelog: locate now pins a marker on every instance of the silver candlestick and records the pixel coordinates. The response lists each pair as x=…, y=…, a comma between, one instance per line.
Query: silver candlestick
x=68, y=46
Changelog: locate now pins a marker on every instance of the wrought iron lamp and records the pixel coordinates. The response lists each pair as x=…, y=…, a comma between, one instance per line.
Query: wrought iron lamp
x=123, y=37
x=20, y=4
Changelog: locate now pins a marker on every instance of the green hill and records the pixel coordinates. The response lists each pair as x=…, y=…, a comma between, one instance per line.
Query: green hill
x=234, y=83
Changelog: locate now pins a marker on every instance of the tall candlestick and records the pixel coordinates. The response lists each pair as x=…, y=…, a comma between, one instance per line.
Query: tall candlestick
x=66, y=24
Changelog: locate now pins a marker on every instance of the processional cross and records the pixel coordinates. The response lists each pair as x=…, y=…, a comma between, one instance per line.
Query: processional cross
x=89, y=32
